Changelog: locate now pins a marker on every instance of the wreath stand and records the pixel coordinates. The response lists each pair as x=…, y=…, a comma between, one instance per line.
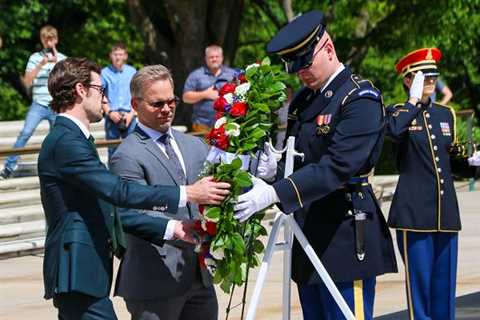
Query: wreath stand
x=291, y=228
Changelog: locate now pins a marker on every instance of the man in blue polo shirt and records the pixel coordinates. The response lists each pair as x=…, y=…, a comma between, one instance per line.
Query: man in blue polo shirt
x=36, y=76
x=202, y=85
x=119, y=116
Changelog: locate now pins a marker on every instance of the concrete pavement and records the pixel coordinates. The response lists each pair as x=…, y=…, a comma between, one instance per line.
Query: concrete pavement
x=21, y=280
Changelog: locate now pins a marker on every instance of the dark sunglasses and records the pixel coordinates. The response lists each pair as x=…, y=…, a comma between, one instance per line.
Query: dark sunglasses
x=160, y=103
x=100, y=89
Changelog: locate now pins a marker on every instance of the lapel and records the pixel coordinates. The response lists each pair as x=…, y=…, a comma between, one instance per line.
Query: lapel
x=322, y=99
x=153, y=148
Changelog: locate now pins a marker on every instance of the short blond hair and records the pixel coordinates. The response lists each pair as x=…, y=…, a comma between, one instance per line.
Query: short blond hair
x=146, y=76
x=48, y=31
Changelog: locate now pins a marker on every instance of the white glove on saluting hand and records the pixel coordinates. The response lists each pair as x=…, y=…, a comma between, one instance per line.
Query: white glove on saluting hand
x=416, y=89
x=260, y=197
x=267, y=165
x=474, y=160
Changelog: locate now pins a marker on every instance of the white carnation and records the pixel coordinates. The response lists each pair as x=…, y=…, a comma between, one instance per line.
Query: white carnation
x=256, y=65
x=228, y=97
x=242, y=89
x=220, y=122
x=217, y=254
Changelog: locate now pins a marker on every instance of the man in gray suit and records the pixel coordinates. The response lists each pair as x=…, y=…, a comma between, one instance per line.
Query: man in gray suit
x=161, y=283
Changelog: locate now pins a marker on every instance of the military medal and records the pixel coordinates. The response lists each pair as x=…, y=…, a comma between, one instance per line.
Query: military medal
x=445, y=128
x=323, y=121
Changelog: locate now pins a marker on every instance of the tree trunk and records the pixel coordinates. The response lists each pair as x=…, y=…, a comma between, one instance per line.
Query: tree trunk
x=177, y=32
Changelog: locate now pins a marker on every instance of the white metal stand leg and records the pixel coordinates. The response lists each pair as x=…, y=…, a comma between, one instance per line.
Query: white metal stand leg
x=291, y=228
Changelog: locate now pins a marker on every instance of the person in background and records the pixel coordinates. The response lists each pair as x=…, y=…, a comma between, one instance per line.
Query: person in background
x=444, y=90
x=119, y=115
x=202, y=85
x=39, y=66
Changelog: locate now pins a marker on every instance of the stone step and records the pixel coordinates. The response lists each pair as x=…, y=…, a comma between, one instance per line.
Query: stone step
x=22, y=230
x=21, y=214
x=19, y=198
x=17, y=248
x=36, y=140
x=18, y=184
x=13, y=128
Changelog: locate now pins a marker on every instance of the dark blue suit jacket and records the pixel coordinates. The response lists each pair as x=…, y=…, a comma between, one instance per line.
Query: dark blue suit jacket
x=73, y=185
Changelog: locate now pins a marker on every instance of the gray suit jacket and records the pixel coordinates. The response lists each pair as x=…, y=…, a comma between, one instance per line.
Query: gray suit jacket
x=148, y=271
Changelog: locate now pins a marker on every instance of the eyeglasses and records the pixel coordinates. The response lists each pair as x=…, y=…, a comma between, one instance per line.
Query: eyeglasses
x=172, y=103
x=99, y=88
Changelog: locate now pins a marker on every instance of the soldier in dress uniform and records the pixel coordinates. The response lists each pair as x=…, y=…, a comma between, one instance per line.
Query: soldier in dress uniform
x=338, y=121
x=424, y=209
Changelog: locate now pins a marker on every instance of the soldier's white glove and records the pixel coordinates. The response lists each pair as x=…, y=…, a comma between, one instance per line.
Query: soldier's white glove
x=416, y=89
x=260, y=197
x=267, y=165
x=474, y=160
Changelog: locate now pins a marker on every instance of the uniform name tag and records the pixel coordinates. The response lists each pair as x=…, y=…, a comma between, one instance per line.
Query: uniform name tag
x=445, y=128
x=415, y=128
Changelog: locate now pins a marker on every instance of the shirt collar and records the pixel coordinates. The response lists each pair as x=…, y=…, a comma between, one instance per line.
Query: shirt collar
x=154, y=134
x=340, y=69
x=79, y=124
x=207, y=71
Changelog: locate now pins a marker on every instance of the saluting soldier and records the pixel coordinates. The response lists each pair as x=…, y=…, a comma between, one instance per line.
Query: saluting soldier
x=338, y=121
x=424, y=209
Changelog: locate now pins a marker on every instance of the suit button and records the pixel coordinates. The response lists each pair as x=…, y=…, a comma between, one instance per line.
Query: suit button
x=437, y=159
x=441, y=192
x=429, y=126
x=439, y=169
x=442, y=181
x=433, y=137
x=155, y=208
x=349, y=213
x=435, y=148
x=427, y=115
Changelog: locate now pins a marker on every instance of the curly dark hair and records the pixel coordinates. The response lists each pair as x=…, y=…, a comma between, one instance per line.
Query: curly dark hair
x=63, y=78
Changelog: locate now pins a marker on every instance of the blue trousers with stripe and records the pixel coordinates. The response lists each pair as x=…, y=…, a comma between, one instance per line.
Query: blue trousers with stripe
x=318, y=303
x=430, y=260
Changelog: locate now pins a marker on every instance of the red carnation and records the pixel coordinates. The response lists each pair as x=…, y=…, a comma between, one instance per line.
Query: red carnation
x=239, y=109
x=201, y=261
x=218, y=115
x=218, y=138
x=201, y=208
x=211, y=228
x=242, y=78
x=219, y=104
x=227, y=88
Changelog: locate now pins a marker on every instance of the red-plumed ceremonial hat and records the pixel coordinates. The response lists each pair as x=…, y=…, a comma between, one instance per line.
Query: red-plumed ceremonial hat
x=425, y=59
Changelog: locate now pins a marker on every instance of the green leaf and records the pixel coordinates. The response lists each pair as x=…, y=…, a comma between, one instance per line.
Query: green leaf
x=213, y=212
x=265, y=61
x=242, y=179
x=236, y=164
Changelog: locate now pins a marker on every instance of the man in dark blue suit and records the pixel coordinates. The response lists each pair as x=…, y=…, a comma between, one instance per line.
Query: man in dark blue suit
x=84, y=229
x=337, y=119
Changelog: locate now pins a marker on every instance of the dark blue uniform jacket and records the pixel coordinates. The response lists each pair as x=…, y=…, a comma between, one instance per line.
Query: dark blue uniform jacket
x=425, y=198
x=340, y=130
